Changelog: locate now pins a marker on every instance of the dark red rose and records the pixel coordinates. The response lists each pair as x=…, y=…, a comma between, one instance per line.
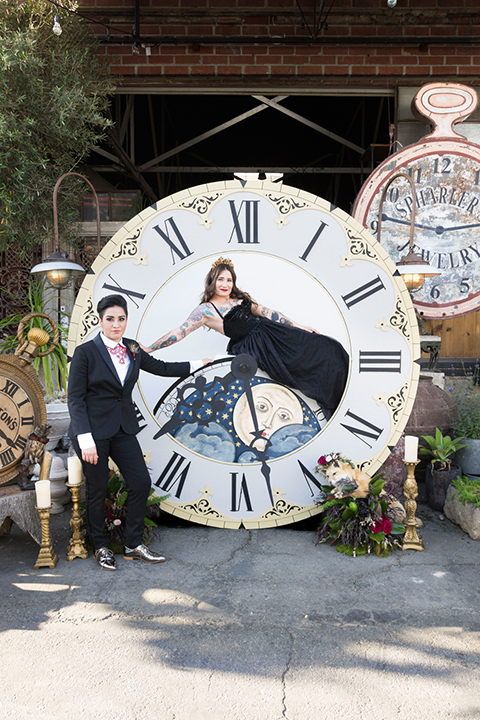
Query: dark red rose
x=322, y=460
x=377, y=526
x=387, y=525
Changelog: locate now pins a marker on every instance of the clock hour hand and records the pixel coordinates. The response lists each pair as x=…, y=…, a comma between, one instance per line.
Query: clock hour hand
x=244, y=367
x=407, y=222
x=8, y=440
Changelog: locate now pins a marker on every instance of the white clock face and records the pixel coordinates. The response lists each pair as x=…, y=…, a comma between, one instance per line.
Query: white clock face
x=447, y=225
x=445, y=169
x=292, y=252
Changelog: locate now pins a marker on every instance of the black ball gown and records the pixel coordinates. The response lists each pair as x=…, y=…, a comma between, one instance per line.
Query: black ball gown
x=317, y=365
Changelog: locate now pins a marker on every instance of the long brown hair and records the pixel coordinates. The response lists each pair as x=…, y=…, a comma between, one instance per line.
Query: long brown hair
x=211, y=281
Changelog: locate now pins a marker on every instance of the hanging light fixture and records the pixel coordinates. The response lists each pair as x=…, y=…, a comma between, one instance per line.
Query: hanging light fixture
x=58, y=267
x=57, y=28
x=412, y=267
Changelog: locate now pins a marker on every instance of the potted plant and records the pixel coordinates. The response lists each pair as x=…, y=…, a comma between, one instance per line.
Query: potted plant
x=462, y=505
x=442, y=468
x=466, y=425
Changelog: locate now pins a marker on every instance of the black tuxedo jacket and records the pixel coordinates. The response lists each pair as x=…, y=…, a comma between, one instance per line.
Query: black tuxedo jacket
x=97, y=400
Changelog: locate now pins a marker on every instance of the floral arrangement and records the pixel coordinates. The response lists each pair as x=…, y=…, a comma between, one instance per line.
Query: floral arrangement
x=324, y=461
x=116, y=512
x=360, y=525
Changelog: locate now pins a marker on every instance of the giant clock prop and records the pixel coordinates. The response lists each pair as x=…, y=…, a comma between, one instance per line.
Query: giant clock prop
x=445, y=168
x=292, y=252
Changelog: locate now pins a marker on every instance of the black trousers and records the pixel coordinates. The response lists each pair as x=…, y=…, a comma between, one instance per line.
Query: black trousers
x=125, y=451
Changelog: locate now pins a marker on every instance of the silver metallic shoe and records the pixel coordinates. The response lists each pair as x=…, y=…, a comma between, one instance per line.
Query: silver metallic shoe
x=105, y=558
x=141, y=552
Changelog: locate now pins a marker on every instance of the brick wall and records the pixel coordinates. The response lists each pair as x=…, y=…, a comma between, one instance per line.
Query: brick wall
x=267, y=43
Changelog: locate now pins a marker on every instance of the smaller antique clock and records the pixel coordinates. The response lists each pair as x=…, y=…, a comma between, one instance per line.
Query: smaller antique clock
x=22, y=407
x=445, y=168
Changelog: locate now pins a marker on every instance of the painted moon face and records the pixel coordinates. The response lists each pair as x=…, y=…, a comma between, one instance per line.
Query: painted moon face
x=275, y=407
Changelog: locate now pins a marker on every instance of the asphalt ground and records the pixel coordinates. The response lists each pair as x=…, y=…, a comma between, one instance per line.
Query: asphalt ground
x=243, y=625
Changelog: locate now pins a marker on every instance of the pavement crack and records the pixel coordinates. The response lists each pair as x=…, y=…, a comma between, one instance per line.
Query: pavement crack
x=284, y=675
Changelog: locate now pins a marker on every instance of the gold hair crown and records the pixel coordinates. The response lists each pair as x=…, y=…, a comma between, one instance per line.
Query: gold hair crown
x=223, y=261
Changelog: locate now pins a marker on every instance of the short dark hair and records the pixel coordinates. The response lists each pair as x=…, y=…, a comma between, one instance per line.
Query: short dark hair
x=111, y=301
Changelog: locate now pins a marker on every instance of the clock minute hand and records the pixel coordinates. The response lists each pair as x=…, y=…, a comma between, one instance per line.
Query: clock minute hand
x=457, y=227
x=244, y=367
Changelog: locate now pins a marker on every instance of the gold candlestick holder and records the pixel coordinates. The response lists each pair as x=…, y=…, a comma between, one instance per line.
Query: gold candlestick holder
x=47, y=556
x=411, y=541
x=77, y=546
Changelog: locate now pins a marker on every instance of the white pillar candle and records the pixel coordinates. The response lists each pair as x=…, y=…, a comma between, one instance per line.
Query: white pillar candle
x=411, y=448
x=42, y=490
x=74, y=470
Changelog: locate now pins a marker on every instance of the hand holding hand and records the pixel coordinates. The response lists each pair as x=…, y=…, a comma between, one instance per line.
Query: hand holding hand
x=145, y=348
x=90, y=455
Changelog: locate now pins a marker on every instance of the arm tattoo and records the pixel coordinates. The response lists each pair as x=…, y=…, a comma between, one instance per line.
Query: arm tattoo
x=193, y=322
x=164, y=342
x=275, y=316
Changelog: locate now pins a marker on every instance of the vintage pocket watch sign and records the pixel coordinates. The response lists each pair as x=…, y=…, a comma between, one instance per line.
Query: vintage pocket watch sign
x=445, y=168
x=292, y=252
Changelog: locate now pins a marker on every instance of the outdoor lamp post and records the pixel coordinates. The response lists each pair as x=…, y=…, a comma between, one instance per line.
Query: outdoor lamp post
x=58, y=267
x=411, y=266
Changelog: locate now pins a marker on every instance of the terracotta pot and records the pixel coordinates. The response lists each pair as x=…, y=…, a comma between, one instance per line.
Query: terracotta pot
x=433, y=408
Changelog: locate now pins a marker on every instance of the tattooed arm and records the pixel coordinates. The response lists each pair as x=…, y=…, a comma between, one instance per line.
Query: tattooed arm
x=276, y=316
x=196, y=319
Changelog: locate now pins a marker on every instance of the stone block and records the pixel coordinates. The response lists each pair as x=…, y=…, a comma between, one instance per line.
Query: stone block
x=466, y=515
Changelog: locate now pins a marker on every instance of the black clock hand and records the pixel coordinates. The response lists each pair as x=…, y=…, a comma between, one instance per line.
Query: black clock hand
x=456, y=227
x=244, y=367
x=7, y=439
x=439, y=230
x=407, y=222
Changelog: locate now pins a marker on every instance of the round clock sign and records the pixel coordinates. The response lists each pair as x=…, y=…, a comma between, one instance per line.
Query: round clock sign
x=292, y=252
x=445, y=168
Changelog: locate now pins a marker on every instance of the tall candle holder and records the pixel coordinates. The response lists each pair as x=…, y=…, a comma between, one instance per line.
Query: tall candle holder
x=77, y=546
x=411, y=541
x=47, y=556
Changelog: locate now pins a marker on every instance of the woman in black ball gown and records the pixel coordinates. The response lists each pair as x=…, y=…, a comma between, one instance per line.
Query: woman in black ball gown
x=289, y=353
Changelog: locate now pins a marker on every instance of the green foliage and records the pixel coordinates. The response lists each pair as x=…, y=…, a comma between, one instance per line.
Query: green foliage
x=441, y=448
x=54, y=96
x=468, y=490
x=359, y=526
x=116, y=512
x=466, y=423
x=54, y=365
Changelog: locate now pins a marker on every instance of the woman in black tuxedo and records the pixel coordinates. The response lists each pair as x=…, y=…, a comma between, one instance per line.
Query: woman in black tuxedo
x=102, y=376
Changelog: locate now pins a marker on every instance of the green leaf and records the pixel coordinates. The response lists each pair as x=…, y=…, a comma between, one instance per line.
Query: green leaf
x=345, y=549
x=122, y=498
x=149, y=522
x=397, y=529
x=377, y=537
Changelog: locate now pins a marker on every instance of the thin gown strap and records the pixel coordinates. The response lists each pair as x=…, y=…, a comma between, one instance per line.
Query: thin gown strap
x=218, y=311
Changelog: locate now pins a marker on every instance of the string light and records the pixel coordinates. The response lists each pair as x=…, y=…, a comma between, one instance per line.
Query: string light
x=57, y=28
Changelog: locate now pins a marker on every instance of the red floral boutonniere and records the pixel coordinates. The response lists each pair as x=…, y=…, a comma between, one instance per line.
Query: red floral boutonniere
x=134, y=348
